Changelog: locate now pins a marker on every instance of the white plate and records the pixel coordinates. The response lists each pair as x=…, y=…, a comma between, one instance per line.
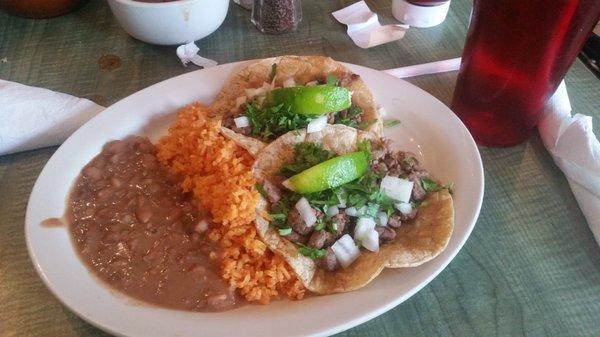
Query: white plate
x=428, y=128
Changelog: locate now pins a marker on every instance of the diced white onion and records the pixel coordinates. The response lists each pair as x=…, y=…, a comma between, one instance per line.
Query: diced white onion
x=363, y=226
x=289, y=83
x=202, y=226
x=239, y=101
x=382, y=112
x=351, y=211
x=266, y=87
x=262, y=90
x=345, y=250
x=404, y=207
x=370, y=240
x=311, y=83
x=317, y=124
x=397, y=188
x=382, y=218
x=306, y=212
x=332, y=210
x=241, y=122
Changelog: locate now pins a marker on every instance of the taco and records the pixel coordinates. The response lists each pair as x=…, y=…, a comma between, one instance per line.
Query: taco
x=339, y=205
x=275, y=95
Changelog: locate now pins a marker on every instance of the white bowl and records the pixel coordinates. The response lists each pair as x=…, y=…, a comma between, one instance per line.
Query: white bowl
x=168, y=23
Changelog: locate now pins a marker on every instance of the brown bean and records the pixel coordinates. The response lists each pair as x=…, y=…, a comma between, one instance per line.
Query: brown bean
x=92, y=172
x=116, y=146
x=146, y=147
x=136, y=230
x=173, y=215
x=143, y=213
x=149, y=161
x=104, y=194
x=117, y=158
x=116, y=182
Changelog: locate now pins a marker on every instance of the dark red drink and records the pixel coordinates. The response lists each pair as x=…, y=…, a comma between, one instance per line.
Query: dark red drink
x=516, y=54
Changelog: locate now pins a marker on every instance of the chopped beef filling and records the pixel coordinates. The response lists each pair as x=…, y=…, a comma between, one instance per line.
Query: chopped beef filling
x=295, y=221
x=328, y=262
x=273, y=192
x=340, y=220
x=384, y=162
x=385, y=234
x=320, y=239
x=395, y=221
x=297, y=238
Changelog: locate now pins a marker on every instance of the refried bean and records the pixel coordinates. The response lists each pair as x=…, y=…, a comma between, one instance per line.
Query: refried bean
x=135, y=229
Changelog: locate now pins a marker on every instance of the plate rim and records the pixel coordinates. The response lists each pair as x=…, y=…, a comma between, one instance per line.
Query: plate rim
x=348, y=324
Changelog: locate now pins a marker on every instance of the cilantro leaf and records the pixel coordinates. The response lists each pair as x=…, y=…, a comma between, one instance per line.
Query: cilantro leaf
x=346, y=117
x=259, y=187
x=429, y=185
x=310, y=252
x=391, y=123
x=450, y=187
x=285, y=231
x=332, y=80
x=320, y=225
x=370, y=210
x=278, y=219
x=365, y=146
x=270, y=122
x=279, y=211
x=306, y=155
x=273, y=72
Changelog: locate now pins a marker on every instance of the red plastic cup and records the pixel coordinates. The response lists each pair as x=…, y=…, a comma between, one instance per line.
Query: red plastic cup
x=516, y=54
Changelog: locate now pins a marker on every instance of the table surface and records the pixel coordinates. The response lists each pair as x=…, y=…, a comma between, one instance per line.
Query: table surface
x=531, y=266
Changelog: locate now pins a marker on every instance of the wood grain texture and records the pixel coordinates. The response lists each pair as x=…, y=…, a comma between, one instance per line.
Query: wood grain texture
x=530, y=268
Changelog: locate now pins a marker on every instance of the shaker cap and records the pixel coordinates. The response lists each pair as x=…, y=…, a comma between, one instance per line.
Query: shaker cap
x=419, y=16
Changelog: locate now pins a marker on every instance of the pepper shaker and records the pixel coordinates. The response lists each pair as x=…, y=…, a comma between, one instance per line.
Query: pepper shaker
x=276, y=16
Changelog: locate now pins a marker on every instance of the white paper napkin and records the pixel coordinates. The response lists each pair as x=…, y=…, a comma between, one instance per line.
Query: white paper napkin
x=569, y=139
x=364, y=27
x=189, y=53
x=576, y=150
x=32, y=117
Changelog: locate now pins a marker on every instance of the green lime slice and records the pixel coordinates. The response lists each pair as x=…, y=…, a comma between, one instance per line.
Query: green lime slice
x=312, y=101
x=330, y=173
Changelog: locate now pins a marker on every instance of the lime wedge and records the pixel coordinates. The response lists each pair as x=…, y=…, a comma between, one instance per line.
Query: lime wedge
x=312, y=101
x=330, y=173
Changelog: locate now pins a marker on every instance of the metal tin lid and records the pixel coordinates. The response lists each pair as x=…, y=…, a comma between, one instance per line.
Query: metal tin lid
x=419, y=16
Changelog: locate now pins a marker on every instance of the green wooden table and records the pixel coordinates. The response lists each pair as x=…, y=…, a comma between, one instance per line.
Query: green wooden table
x=531, y=266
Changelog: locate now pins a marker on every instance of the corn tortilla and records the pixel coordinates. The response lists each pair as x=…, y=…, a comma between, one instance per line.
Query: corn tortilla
x=416, y=242
x=302, y=69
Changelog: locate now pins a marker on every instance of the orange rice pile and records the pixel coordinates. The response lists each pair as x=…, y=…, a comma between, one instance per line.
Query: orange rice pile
x=217, y=171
